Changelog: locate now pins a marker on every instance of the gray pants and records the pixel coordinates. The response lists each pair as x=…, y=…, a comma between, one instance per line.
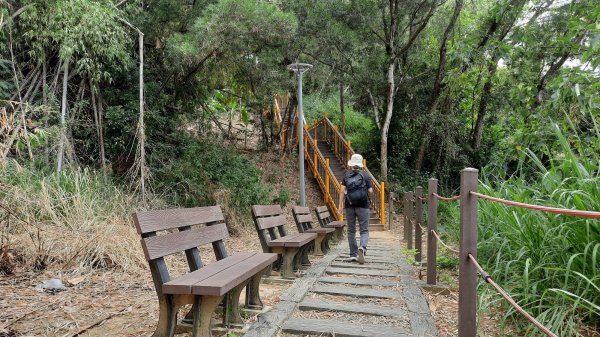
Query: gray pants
x=363, y=215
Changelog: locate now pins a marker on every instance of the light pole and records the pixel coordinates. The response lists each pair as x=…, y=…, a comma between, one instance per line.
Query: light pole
x=299, y=69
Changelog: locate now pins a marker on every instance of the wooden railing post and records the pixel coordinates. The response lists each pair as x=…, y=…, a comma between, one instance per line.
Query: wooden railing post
x=432, y=204
x=405, y=215
x=326, y=180
x=411, y=220
x=418, y=220
x=467, y=274
x=335, y=143
x=348, y=154
x=382, y=203
x=315, y=157
x=390, y=209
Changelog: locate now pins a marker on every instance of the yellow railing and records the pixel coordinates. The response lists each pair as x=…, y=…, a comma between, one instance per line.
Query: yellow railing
x=324, y=131
x=321, y=169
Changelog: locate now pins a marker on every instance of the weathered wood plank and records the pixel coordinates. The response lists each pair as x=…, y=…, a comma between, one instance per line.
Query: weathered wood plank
x=357, y=271
x=341, y=329
x=163, y=245
x=362, y=308
x=266, y=210
x=356, y=292
x=152, y=221
x=359, y=281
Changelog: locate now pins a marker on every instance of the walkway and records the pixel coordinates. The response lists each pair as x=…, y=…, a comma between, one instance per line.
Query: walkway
x=336, y=298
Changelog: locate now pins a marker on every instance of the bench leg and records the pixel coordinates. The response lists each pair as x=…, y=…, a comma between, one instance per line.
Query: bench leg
x=287, y=263
x=317, y=249
x=253, y=300
x=304, y=255
x=167, y=317
x=231, y=309
x=204, y=307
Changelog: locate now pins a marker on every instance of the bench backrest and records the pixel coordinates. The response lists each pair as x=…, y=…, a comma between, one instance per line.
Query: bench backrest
x=170, y=231
x=323, y=215
x=304, y=221
x=269, y=222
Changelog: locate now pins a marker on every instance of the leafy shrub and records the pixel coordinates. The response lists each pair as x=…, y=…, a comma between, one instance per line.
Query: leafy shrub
x=206, y=168
x=548, y=262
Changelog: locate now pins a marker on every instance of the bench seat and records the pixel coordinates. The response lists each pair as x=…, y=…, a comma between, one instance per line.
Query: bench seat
x=336, y=224
x=293, y=240
x=217, y=278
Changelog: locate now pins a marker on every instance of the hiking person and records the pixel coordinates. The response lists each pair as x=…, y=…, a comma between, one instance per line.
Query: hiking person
x=356, y=188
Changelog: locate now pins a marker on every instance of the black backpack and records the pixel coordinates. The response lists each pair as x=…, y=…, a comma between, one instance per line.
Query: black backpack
x=356, y=186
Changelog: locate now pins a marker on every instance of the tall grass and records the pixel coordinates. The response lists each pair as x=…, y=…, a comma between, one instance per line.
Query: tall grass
x=549, y=263
x=75, y=220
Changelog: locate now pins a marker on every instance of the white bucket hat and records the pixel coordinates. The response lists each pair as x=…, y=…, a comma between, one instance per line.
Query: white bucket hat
x=356, y=160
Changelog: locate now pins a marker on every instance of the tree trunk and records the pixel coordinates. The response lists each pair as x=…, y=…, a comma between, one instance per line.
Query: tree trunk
x=342, y=113
x=483, y=102
x=63, y=114
x=388, y=117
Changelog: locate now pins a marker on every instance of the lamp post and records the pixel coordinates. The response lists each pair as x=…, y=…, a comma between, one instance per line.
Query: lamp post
x=299, y=69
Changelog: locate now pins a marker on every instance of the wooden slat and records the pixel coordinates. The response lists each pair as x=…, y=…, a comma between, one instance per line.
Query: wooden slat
x=320, y=230
x=304, y=218
x=270, y=222
x=336, y=224
x=281, y=241
x=301, y=210
x=151, y=221
x=183, y=284
x=228, y=278
x=266, y=210
x=301, y=240
x=324, y=215
x=159, y=246
x=322, y=209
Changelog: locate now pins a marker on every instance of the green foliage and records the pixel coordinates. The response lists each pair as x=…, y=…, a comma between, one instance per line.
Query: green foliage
x=549, y=263
x=282, y=198
x=360, y=129
x=206, y=168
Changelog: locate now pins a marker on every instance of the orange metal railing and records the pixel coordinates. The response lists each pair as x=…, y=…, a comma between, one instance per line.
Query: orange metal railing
x=324, y=131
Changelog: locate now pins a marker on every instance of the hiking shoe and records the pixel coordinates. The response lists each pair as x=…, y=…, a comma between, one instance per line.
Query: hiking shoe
x=361, y=255
x=351, y=259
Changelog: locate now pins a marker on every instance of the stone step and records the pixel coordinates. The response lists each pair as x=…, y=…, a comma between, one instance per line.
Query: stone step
x=356, y=292
x=362, y=308
x=377, y=227
x=321, y=327
x=358, y=281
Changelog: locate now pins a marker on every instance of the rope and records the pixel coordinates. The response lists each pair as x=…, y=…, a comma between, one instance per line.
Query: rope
x=422, y=198
x=585, y=214
x=507, y=297
x=433, y=231
x=447, y=199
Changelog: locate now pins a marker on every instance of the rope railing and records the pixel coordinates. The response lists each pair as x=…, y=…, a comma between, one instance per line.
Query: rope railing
x=509, y=299
x=469, y=266
x=563, y=211
x=456, y=197
x=437, y=236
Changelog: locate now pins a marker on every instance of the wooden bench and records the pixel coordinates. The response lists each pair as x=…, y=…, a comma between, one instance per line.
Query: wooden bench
x=327, y=221
x=172, y=231
x=292, y=249
x=304, y=222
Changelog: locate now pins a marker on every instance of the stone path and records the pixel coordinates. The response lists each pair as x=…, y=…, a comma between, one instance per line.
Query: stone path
x=336, y=298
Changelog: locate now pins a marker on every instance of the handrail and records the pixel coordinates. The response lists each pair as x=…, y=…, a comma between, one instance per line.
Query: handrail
x=378, y=201
x=468, y=244
x=563, y=211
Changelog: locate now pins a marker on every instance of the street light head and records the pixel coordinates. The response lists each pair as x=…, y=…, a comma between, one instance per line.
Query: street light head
x=299, y=68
